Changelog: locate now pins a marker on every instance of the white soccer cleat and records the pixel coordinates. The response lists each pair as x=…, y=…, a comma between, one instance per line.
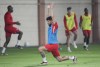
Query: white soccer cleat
x=4, y=54
x=69, y=50
x=44, y=63
x=74, y=44
x=18, y=46
x=85, y=47
x=75, y=60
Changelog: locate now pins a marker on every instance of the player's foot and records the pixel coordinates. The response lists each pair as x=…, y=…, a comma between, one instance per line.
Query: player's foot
x=4, y=54
x=18, y=46
x=60, y=48
x=44, y=63
x=85, y=47
x=69, y=50
x=75, y=60
x=74, y=44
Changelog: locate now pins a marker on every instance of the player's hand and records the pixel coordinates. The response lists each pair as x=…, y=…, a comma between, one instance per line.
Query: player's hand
x=90, y=24
x=17, y=23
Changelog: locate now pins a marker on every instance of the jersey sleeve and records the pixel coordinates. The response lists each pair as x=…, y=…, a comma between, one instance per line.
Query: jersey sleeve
x=75, y=19
x=65, y=25
x=80, y=21
x=55, y=27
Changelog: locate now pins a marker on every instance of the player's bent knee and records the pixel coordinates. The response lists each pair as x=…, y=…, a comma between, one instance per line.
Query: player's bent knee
x=21, y=33
x=40, y=49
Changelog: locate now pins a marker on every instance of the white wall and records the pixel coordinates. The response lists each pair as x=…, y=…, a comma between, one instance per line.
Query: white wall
x=25, y=11
x=60, y=9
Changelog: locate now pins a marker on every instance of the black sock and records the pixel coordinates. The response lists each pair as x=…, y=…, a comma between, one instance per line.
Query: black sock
x=87, y=40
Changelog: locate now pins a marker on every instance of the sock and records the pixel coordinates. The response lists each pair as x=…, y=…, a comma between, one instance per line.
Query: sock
x=68, y=48
x=43, y=56
x=18, y=42
x=71, y=57
x=3, y=50
x=88, y=40
x=44, y=59
x=85, y=44
x=74, y=44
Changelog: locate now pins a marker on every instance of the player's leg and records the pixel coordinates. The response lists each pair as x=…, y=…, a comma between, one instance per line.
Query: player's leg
x=68, y=41
x=64, y=58
x=5, y=45
x=85, y=33
x=41, y=50
x=75, y=38
x=20, y=33
x=88, y=38
x=56, y=54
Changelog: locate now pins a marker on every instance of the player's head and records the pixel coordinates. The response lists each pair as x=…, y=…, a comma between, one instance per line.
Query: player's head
x=85, y=10
x=50, y=20
x=69, y=10
x=10, y=8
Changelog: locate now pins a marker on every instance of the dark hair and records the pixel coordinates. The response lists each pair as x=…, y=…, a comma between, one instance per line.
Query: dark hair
x=69, y=8
x=85, y=9
x=49, y=18
x=9, y=7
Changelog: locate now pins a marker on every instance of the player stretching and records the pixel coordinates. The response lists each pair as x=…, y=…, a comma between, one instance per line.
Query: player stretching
x=71, y=26
x=86, y=26
x=9, y=29
x=52, y=45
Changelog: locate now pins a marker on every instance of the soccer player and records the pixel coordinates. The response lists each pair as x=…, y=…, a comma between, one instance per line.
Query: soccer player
x=86, y=26
x=52, y=45
x=9, y=30
x=71, y=26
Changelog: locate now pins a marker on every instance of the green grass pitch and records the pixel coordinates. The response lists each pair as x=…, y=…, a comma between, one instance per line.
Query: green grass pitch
x=30, y=57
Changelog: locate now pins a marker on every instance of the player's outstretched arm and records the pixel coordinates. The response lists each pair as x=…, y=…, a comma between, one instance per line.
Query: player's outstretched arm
x=50, y=10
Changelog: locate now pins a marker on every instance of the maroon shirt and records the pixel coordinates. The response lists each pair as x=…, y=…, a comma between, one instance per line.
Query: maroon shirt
x=8, y=20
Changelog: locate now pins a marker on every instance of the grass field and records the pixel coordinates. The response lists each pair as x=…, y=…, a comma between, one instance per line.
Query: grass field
x=29, y=57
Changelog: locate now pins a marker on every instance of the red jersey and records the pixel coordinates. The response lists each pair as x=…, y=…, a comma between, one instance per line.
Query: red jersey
x=8, y=20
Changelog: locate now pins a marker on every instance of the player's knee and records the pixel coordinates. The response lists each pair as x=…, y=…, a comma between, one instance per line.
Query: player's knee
x=75, y=34
x=40, y=49
x=21, y=33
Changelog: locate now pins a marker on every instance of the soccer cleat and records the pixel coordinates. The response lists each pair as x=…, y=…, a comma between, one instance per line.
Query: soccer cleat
x=44, y=63
x=75, y=60
x=69, y=50
x=4, y=54
x=74, y=44
x=85, y=47
x=18, y=46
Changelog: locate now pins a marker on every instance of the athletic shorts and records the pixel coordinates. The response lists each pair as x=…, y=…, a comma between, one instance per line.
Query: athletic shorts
x=11, y=30
x=72, y=30
x=87, y=32
x=53, y=48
